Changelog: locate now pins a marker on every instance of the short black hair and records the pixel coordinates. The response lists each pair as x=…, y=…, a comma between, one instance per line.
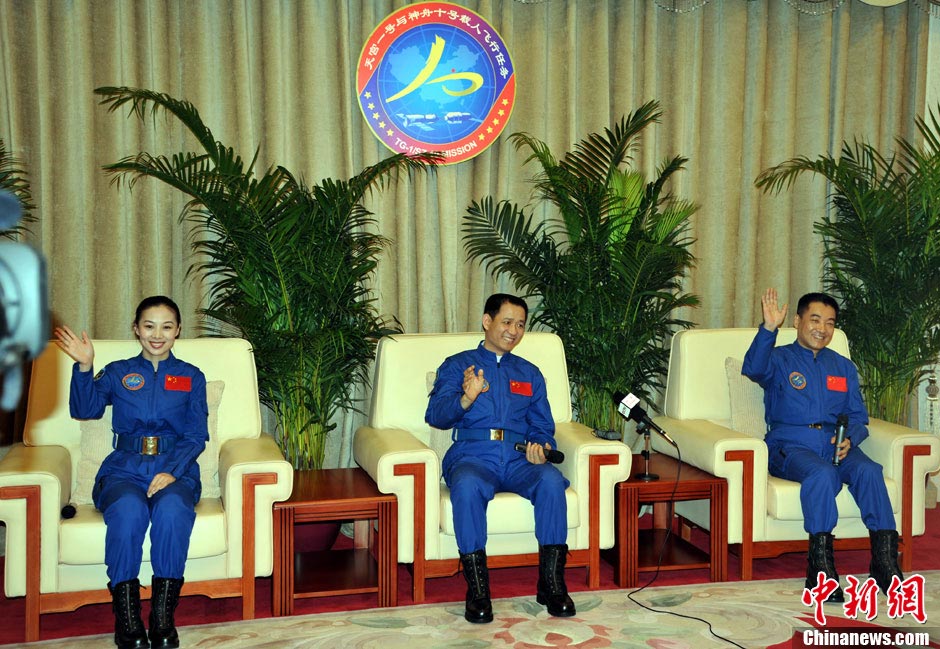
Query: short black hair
x=809, y=298
x=496, y=301
x=157, y=300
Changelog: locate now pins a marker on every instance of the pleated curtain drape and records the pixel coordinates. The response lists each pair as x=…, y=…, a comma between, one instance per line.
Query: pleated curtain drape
x=743, y=85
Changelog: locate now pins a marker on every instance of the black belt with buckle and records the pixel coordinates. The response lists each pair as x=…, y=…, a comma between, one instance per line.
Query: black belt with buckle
x=484, y=434
x=146, y=445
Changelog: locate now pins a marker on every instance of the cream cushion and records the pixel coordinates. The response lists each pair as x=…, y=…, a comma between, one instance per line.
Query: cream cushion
x=516, y=514
x=438, y=440
x=81, y=539
x=96, y=445
x=747, y=401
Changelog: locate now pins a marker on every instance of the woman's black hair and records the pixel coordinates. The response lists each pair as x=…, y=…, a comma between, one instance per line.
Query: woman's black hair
x=157, y=300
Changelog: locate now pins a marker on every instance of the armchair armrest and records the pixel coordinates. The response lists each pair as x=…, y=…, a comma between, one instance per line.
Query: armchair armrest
x=727, y=454
x=33, y=477
x=703, y=444
x=403, y=465
x=886, y=443
x=907, y=456
x=270, y=479
x=579, y=445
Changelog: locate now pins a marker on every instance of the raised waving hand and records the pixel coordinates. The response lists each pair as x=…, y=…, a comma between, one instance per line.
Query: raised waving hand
x=472, y=386
x=78, y=348
x=774, y=314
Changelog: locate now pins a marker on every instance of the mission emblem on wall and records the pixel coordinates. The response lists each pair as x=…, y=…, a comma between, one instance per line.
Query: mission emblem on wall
x=434, y=76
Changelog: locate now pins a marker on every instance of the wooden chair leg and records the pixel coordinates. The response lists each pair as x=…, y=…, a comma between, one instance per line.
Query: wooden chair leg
x=907, y=504
x=249, y=482
x=418, y=578
x=746, y=458
x=417, y=472
x=31, y=494
x=594, y=509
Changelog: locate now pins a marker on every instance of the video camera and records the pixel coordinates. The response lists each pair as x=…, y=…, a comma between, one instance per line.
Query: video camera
x=24, y=309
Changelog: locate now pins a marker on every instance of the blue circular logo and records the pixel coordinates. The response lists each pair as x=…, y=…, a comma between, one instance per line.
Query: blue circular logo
x=133, y=381
x=436, y=77
x=797, y=380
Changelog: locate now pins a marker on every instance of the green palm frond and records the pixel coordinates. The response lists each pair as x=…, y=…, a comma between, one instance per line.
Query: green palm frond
x=597, y=157
x=881, y=242
x=581, y=181
x=606, y=270
x=15, y=180
x=502, y=236
x=539, y=150
x=139, y=99
x=288, y=267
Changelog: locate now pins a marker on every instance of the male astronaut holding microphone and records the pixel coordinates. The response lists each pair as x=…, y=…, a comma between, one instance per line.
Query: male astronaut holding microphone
x=494, y=400
x=806, y=388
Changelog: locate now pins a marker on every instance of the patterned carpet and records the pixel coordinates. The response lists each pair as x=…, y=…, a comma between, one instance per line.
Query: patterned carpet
x=752, y=614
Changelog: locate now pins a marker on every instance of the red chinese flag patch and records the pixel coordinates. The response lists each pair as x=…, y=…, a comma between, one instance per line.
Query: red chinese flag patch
x=836, y=384
x=518, y=387
x=178, y=383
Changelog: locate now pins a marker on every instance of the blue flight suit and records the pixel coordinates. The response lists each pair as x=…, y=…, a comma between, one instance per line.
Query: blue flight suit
x=170, y=403
x=474, y=470
x=802, y=390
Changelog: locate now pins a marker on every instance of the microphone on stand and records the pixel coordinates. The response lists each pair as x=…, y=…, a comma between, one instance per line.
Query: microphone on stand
x=628, y=405
x=551, y=455
x=842, y=423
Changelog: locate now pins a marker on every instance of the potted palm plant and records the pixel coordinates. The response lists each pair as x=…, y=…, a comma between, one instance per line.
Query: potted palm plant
x=881, y=244
x=288, y=267
x=606, y=270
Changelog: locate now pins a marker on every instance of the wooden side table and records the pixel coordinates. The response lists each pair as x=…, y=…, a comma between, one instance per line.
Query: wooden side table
x=638, y=550
x=336, y=495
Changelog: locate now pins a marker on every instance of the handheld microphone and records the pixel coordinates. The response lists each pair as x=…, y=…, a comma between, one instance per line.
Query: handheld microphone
x=68, y=511
x=842, y=422
x=551, y=455
x=629, y=408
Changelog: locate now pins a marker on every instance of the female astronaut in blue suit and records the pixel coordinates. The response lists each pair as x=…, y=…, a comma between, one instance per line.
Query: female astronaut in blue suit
x=159, y=416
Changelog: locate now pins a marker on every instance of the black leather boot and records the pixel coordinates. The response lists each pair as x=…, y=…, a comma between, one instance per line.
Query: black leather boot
x=129, y=632
x=551, y=590
x=163, y=600
x=479, y=609
x=821, y=560
x=884, y=558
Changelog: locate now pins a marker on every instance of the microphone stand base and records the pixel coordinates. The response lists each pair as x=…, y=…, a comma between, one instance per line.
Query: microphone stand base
x=647, y=477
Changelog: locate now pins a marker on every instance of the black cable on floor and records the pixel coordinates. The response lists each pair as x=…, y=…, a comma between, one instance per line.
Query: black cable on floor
x=659, y=563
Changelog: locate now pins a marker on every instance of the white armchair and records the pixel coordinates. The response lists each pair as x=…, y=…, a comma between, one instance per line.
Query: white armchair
x=58, y=564
x=716, y=416
x=403, y=455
